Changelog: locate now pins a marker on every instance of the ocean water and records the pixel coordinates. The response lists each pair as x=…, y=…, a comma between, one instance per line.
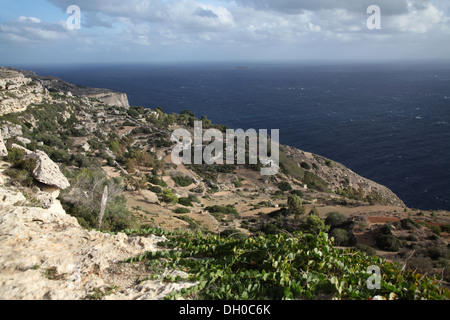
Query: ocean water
x=386, y=122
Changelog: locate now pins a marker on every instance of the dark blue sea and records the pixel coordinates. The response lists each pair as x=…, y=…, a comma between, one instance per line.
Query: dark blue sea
x=387, y=122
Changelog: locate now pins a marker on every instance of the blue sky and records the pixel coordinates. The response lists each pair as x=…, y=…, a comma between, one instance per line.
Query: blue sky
x=134, y=31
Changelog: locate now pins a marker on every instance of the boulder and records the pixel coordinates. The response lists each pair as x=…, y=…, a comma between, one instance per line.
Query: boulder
x=47, y=172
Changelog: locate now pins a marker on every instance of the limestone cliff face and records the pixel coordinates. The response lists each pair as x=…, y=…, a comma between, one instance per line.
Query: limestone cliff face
x=21, y=88
x=17, y=91
x=113, y=99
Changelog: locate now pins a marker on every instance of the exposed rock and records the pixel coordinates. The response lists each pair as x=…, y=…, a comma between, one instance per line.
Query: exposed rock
x=20, y=92
x=47, y=172
x=113, y=99
x=46, y=255
x=3, y=150
x=10, y=197
x=10, y=130
x=23, y=140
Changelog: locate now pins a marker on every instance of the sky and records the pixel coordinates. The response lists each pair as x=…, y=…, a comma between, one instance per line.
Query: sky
x=152, y=31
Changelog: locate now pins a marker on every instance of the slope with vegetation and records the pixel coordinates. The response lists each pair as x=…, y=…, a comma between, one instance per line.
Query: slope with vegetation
x=310, y=231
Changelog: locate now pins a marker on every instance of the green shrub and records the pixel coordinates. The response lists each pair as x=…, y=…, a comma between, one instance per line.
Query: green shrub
x=193, y=198
x=340, y=236
x=185, y=202
x=155, y=189
x=335, y=219
x=408, y=224
x=183, y=181
x=181, y=210
x=233, y=233
x=229, y=209
x=156, y=181
x=270, y=228
x=83, y=201
x=284, y=186
x=386, y=229
x=366, y=249
x=305, y=165
x=445, y=228
x=295, y=205
x=314, y=225
x=438, y=251
x=436, y=230
x=388, y=243
x=15, y=154
x=167, y=196
x=237, y=183
x=297, y=193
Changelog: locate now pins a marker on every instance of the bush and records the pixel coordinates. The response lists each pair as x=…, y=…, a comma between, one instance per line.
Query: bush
x=237, y=184
x=183, y=181
x=408, y=224
x=437, y=251
x=270, y=228
x=297, y=193
x=181, y=210
x=15, y=154
x=83, y=200
x=155, y=189
x=386, y=229
x=445, y=228
x=366, y=249
x=436, y=230
x=295, y=205
x=167, y=196
x=229, y=209
x=340, y=236
x=388, y=243
x=305, y=165
x=233, y=233
x=284, y=186
x=185, y=202
x=314, y=225
x=335, y=219
x=155, y=180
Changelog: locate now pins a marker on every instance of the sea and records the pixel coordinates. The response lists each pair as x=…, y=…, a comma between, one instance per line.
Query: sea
x=388, y=122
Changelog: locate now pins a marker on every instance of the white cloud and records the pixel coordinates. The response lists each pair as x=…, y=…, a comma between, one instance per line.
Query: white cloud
x=237, y=24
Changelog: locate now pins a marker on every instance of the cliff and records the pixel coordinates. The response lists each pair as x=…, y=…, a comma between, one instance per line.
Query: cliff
x=17, y=92
x=20, y=79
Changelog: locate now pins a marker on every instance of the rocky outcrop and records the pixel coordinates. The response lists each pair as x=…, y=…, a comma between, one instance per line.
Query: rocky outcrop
x=46, y=255
x=113, y=99
x=17, y=91
x=47, y=172
x=10, y=130
x=3, y=150
x=54, y=84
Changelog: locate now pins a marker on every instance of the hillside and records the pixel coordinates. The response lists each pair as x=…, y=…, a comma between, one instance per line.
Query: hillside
x=62, y=144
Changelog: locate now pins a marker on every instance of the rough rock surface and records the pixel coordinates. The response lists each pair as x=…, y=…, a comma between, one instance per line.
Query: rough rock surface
x=3, y=151
x=45, y=254
x=47, y=172
x=20, y=91
x=113, y=99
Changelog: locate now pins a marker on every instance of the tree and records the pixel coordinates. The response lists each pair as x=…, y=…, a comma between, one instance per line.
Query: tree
x=314, y=225
x=295, y=205
x=167, y=196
